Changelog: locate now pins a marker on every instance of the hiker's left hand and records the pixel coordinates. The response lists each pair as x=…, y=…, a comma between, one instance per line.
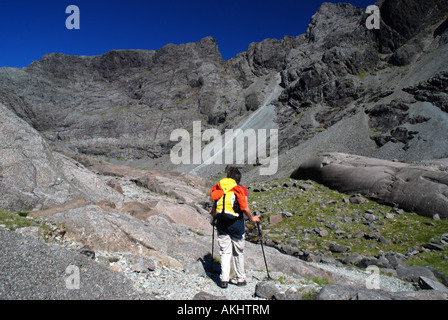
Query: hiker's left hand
x=255, y=219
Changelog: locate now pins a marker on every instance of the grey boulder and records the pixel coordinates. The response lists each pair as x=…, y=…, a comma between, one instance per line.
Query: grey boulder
x=33, y=270
x=421, y=189
x=344, y=292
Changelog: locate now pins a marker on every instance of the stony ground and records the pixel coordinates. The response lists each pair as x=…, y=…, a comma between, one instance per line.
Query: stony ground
x=193, y=282
x=174, y=284
x=307, y=219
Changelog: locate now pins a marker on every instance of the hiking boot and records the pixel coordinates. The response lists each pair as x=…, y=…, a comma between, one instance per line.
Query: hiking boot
x=241, y=283
x=223, y=284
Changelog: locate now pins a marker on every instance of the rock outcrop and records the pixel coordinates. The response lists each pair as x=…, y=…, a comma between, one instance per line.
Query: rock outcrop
x=389, y=182
x=402, y=21
x=343, y=292
x=33, y=176
x=337, y=47
x=34, y=270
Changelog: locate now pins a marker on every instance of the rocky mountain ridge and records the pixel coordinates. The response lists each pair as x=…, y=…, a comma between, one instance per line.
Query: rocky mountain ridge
x=124, y=104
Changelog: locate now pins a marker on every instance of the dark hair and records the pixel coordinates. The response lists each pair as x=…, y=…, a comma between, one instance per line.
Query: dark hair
x=234, y=173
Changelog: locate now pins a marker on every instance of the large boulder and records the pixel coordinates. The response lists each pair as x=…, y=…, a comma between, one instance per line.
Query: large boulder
x=344, y=292
x=34, y=270
x=188, y=188
x=421, y=189
x=278, y=261
x=166, y=241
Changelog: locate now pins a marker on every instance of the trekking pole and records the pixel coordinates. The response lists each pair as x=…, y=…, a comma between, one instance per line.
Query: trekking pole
x=213, y=232
x=213, y=239
x=262, y=249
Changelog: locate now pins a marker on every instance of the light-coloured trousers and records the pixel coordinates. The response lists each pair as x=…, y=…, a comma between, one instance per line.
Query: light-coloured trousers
x=228, y=247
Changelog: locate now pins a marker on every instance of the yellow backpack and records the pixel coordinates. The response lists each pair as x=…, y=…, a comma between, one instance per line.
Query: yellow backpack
x=228, y=206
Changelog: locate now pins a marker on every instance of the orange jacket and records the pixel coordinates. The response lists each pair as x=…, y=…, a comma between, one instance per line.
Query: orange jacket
x=217, y=192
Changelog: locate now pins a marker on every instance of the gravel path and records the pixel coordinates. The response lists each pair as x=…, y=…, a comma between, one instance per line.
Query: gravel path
x=161, y=283
x=174, y=284
x=33, y=270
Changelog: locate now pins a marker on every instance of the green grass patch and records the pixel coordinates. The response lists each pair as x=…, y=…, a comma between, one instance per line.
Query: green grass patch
x=13, y=221
x=436, y=259
x=362, y=75
x=16, y=220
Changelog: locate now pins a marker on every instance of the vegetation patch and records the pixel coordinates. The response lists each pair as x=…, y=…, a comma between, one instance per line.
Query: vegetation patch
x=16, y=220
x=311, y=218
x=13, y=221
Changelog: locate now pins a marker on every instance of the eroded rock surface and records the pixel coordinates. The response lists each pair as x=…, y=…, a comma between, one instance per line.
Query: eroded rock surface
x=420, y=189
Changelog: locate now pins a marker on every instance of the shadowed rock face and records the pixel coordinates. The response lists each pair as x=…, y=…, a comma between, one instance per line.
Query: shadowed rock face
x=123, y=104
x=423, y=190
x=403, y=19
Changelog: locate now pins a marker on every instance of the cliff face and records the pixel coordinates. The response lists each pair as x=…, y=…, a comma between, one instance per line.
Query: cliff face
x=125, y=103
x=120, y=104
x=367, y=92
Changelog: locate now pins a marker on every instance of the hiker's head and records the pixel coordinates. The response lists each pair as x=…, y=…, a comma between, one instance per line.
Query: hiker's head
x=234, y=174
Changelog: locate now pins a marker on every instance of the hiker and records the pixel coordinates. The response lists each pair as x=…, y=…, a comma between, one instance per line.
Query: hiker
x=230, y=205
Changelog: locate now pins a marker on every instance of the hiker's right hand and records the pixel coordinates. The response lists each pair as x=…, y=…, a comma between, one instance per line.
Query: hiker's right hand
x=255, y=219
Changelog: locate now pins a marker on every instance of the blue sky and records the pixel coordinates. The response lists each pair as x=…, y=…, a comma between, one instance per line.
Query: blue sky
x=32, y=28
